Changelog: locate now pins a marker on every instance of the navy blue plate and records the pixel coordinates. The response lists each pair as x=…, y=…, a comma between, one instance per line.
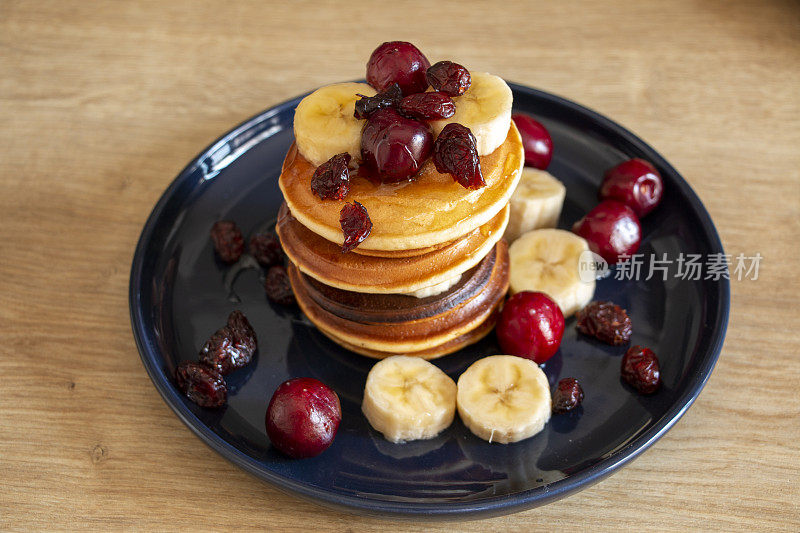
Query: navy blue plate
x=180, y=294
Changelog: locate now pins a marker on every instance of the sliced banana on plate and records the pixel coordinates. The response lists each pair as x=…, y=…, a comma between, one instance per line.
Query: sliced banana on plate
x=324, y=125
x=548, y=261
x=536, y=203
x=485, y=109
x=504, y=398
x=407, y=398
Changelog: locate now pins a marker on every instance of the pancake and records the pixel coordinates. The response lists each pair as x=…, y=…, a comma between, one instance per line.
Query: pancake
x=398, y=308
x=428, y=211
x=400, y=253
x=372, y=332
x=324, y=261
x=449, y=347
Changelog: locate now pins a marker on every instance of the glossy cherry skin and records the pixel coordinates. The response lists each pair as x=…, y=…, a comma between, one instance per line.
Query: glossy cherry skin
x=398, y=62
x=394, y=147
x=535, y=139
x=303, y=417
x=612, y=229
x=531, y=326
x=636, y=183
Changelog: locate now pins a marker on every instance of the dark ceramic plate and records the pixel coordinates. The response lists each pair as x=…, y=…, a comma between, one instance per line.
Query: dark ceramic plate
x=180, y=294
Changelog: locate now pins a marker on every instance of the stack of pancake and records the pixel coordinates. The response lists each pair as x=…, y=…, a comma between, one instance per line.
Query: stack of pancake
x=429, y=278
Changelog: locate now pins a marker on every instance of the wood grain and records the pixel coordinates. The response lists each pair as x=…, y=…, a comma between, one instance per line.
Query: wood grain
x=102, y=103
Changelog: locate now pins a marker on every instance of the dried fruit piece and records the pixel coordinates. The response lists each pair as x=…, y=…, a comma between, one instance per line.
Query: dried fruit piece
x=201, y=384
x=367, y=105
x=449, y=78
x=640, y=369
x=428, y=106
x=228, y=240
x=606, y=321
x=266, y=248
x=356, y=225
x=232, y=346
x=331, y=180
x=455, y=153
x=278, y=286
x=567, y=396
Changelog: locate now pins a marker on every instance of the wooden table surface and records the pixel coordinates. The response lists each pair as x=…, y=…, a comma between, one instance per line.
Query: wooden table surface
x=103, y=103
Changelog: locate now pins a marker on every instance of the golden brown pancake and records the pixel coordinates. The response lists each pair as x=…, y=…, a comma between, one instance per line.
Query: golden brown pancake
x=449, y=347
x=416, y=333
x=430, y=210
x=323, y=260
x=400, y=253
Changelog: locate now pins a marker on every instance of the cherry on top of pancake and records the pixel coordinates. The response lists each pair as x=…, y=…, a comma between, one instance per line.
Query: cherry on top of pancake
x=426, y=211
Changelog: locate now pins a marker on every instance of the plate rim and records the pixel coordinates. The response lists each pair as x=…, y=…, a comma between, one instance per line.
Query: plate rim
x=484, y=507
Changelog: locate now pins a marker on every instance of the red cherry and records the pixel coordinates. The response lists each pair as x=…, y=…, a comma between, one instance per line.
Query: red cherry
x=531, y=326
x=303, y=417
x=536, y=140
x=394, y=147
x=636, y=183
x=612, y=229
x=398, y=62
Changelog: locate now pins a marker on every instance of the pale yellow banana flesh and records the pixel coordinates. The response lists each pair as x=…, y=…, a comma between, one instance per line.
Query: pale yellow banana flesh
x=547, y=260
x=485, y=109
x=503, y=398
x=408, y=398
x=536, y=203
x=324, y=125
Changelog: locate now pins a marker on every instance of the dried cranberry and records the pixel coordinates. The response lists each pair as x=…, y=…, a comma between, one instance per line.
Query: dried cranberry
x=449, y=78
x=356, y=225
x=232, y=346
x=201, y=384
x=331, y=180
x=640, y=369
x=278, y=286
x=367, y=105
x=228, y=240
x=266, y=248
x=428, y=106
x=567, y=396
x=455, y=153
x=606, y=321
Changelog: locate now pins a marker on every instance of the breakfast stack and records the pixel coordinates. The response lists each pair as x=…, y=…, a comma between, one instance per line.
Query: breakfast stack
x=396, y=200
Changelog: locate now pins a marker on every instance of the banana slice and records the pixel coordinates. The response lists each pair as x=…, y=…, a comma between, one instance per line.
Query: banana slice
x=547, y=260
x=324, y=124
x=408, y=398
x=535, y=204
x=485, y=109
x=503, y=398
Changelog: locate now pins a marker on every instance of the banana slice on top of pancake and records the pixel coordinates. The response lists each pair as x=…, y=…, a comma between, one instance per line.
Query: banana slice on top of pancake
x=324, y=123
